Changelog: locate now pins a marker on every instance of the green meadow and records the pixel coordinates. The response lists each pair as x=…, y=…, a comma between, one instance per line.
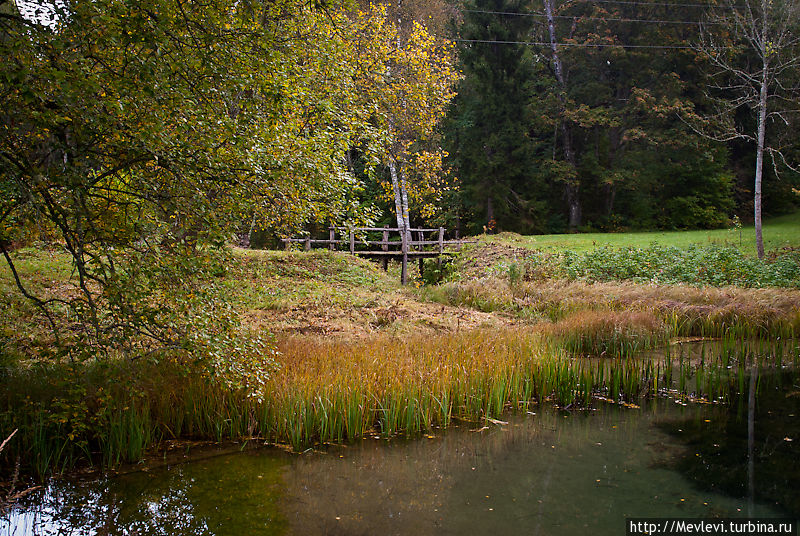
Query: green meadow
x=779, y=232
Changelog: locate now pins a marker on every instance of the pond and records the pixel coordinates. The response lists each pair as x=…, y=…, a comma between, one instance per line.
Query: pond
x=547, y=472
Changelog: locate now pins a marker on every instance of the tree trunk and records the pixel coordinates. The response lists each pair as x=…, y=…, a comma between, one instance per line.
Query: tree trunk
x=404, y=200
x=572, y=186
x=398, y=198
x=762, y=128
x=611, y=194
x=245, y=239
x=574, y=205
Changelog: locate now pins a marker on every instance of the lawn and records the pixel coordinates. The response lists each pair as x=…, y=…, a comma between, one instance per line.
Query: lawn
x=779, y=232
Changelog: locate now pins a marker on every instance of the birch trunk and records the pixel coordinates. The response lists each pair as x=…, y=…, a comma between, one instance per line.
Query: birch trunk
x=762, y=130
x=404, y=199
x=398, y=198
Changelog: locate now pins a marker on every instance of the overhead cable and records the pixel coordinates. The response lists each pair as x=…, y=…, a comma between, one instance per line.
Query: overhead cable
x=571, y=17
x=576, y=45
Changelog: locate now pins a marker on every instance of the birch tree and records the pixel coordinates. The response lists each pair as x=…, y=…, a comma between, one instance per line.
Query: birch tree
x=753, y=49
x=407, y=81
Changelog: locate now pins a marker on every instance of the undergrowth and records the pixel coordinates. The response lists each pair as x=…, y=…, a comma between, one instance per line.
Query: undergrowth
x=712, y=265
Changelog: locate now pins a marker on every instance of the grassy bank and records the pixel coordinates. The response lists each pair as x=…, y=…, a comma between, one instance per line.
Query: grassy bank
x=678, y=310
x=359, y=355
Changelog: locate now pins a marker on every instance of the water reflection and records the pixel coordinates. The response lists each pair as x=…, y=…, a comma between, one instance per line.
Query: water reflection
x=750, y=450
x=212, y=496
x=548, y=473
x=553, y=473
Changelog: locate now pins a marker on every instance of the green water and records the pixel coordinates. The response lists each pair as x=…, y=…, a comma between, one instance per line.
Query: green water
x=546, y=472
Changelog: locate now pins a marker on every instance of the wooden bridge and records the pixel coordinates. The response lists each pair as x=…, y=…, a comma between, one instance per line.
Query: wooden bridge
x=411, y=244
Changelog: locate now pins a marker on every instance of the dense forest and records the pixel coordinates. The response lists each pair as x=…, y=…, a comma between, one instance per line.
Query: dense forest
x=575, y=115
x=606, y=115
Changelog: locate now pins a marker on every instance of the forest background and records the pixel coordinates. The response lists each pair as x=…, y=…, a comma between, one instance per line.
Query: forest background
x=591, y=122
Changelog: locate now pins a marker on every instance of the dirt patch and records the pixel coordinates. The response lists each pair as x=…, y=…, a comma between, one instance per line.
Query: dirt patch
x=397, y=314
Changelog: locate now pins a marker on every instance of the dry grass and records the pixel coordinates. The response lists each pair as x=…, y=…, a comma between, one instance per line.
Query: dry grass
x=686, y=310
x=409, y=383
x=609, y=333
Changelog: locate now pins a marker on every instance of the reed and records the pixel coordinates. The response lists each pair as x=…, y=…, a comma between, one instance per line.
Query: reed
x=609, y=333
x=334, y=391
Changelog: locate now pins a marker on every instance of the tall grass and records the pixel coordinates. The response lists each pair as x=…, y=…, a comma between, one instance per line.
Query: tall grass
x=329, y=391
x=681, y=310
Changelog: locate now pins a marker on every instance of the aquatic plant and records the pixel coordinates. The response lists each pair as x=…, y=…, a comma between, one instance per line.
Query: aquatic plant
x=333, y=391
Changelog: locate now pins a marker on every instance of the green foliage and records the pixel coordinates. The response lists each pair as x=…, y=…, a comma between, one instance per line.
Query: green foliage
x=713, y=265
x=695, y=265
x=437, y=270
x=141, y=138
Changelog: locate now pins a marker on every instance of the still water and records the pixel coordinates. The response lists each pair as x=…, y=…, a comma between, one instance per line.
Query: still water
x=546, y=472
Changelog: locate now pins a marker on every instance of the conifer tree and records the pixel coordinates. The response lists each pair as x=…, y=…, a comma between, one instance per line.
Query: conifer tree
x=487, y=130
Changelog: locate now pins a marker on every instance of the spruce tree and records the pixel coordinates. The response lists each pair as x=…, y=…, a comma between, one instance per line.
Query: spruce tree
x=487, y=133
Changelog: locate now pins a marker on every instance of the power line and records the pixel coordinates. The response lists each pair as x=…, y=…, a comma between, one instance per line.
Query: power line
x=658, y=4
x=576, y=45
x=613, y=19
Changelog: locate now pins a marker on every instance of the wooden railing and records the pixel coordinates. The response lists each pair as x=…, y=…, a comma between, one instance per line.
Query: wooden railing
x=411, y=244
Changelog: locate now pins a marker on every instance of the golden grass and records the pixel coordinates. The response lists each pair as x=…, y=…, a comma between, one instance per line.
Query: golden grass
x=409, y=383
x=688, y=310
x=609, y=333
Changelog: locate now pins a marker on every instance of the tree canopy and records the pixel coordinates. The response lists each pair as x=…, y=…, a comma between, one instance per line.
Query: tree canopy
x=144, y=137
x=572, y=115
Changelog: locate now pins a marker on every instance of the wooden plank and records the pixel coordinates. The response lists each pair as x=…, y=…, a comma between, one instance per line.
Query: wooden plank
x=411, y=243
x=398, y=254
x=331, y=238
x=352, y=242
x=380, y=229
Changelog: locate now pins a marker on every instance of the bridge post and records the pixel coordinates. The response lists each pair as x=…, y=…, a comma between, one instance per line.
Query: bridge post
x=331, y=237
x=352, y=242
x=307, y=244
x=420, y=247
x=441, y=246
x=385, y=247
x=404, y=246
